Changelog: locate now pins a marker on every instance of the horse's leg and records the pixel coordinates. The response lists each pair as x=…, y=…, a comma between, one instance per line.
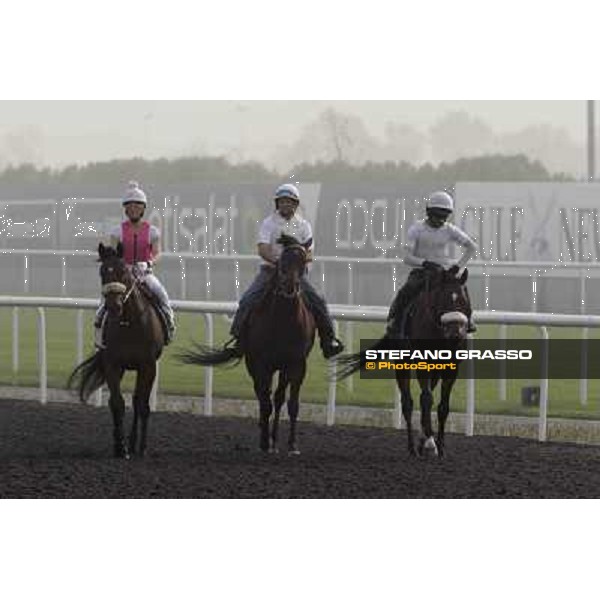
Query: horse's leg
x=262, y=389
x=406, y=400
x=136, y=416
x=278, y=401
x=117, y=408
x=443, y=410
x=143, y=388
x=297, y=377
x=426, y=441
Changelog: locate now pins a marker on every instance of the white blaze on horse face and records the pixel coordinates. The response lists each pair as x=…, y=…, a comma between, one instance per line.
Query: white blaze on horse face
x=453, y=317
x=454, y=296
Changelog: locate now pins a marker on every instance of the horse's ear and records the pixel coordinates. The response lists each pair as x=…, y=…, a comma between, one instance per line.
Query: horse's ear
x=120, y=250
x=307, y=244
x=464, y=276
x=101, y=250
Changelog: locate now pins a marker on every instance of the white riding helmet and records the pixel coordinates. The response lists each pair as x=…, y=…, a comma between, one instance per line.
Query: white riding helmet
x=287, y=190
x=440, y=200
x=134, y=194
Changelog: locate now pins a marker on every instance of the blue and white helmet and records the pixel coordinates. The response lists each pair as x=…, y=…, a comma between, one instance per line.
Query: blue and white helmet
x=287, y=190
x=134, y=193
x=440, y=200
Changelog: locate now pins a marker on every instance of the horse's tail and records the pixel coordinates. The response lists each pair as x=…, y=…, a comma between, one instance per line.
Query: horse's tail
x=207, y=355
x=88, y=376
x=350, y=363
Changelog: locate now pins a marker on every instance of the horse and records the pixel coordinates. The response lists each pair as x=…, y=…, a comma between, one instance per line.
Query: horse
x=278, y=336
x=437, y=318
x=134, y=340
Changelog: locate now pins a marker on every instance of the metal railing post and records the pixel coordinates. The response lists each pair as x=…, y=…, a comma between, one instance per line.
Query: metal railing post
x=331, y=372
x=543, y=420
x=502, y=376
x=209, y=371
x=183, y=281
x=42, y=362
x=79, y=335
x=15, y=342
x=470, y=408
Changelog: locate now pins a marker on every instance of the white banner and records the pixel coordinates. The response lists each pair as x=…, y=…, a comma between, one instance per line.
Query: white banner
x=556, y=222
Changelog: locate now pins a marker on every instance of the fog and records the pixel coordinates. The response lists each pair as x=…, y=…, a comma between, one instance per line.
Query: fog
x=56, y=133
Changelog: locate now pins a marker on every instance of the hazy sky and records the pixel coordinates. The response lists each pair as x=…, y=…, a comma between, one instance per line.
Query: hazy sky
x=57, y=132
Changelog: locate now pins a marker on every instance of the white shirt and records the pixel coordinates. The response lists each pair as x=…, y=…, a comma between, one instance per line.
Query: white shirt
x=274, y=225
x=428, y=243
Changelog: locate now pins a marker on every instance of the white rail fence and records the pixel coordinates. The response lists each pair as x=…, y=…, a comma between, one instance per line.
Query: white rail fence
x=339, y=312
x=331, y=269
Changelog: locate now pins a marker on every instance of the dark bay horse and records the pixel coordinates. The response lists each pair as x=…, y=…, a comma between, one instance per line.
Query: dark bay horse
x=438, y=320
x=134, y=340
x=278, y=336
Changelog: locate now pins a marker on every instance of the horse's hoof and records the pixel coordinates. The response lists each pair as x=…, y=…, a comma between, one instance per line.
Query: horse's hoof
x=273, y=450
x=430, y=447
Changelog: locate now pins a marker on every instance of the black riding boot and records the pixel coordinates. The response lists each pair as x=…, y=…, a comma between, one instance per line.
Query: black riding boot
x=414, y=284
x=330, y=345
x=471, y=328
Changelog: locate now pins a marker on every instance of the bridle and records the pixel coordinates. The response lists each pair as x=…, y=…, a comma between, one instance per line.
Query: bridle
x=282, y=276
x=442, y=317
x=119, y=288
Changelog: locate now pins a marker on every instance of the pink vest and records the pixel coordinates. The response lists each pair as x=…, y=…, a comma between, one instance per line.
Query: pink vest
x=136, y=244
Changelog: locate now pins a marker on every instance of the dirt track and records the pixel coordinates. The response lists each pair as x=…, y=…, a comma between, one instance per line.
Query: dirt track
x=64, y=451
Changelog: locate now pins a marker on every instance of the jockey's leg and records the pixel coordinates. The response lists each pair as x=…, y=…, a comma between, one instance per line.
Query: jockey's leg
x=414, y=284
x=98, y=322
x=330, y=345
x=471, y=328
x=247, y=302
x=157, y=288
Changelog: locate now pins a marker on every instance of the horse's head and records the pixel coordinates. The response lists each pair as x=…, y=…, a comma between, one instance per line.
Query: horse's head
x=450, y=303
x=115, y=277
x=290, y=268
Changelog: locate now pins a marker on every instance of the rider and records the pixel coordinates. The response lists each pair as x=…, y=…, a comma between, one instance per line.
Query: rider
x=285, y=220
x=141, y=248
x=428, y=242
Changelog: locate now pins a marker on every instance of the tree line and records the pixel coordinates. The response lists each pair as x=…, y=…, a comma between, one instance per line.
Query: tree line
x=219, y=170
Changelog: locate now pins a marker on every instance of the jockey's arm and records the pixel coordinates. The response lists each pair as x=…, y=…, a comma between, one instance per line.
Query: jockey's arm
x=265, y=251
x=410, y=258
x=470, y=250
x=155, y=251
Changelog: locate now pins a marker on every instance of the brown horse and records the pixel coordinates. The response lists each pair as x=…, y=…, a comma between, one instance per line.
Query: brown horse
x=438, y=319
x=278, y=336
x=134, y=340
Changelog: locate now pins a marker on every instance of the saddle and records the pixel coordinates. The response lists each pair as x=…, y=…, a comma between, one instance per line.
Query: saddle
x=157, y=306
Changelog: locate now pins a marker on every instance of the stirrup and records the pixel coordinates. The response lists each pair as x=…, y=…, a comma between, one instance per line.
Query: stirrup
x=331, y=347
